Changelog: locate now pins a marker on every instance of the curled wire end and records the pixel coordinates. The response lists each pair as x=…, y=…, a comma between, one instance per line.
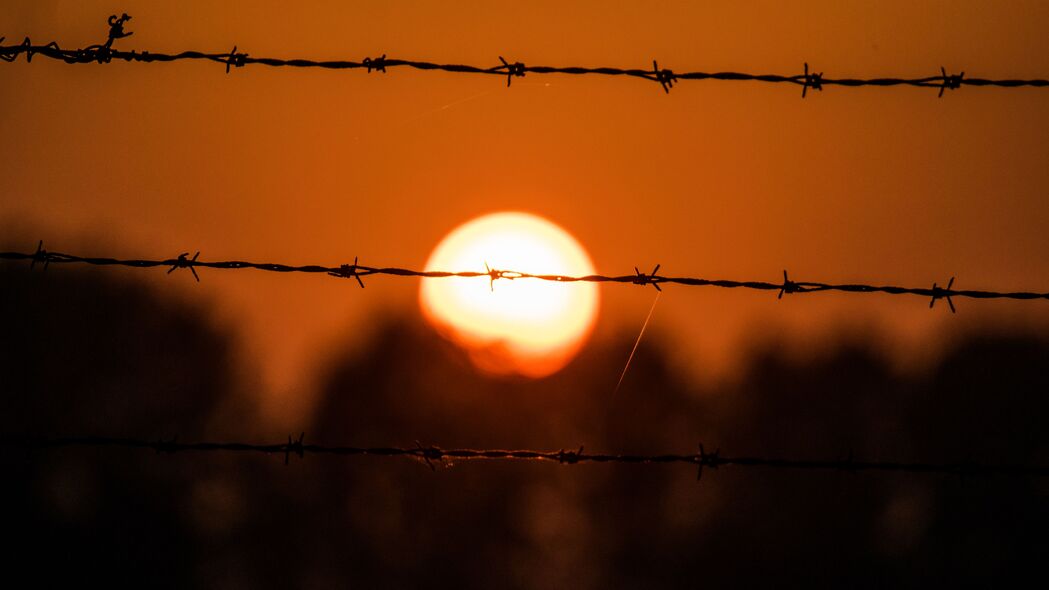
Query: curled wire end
x=788, y=286
x=378, y=64
x=4, y=56
x=116, y=27
x=235, y=59
x=665, y=77
x=649, y=279
x=811, y=80
x=950, y=81
x=183, y=262
x=512, y=69
x=294, y=447
x=943, y=293
x=347, y=271
x=10, y=54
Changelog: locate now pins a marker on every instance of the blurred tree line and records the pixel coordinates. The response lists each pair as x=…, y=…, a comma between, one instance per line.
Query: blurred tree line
x=88, y=353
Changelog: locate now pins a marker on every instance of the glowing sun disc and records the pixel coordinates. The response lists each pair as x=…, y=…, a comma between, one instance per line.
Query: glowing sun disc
x=526, y=326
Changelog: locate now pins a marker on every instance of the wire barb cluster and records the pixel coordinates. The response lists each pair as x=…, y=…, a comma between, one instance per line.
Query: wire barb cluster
x=357, y=271
x=434, y=456
x=666, y=78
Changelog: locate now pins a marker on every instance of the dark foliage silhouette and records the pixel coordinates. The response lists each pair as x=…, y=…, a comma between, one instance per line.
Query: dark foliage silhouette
x=84, y=353
x=248, y=521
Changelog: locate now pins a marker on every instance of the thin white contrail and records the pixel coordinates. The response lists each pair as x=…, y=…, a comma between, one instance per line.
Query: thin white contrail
x=637, y=342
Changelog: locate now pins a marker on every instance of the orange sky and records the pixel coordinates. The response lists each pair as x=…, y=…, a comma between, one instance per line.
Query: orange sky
x=720, y=180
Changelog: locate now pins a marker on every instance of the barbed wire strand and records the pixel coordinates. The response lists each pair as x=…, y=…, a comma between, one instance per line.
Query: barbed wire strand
x=666, y=78
x=434, y=455
x=358, y=271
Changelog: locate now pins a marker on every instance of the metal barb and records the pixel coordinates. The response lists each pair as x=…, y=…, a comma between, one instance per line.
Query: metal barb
x=950, y=82
x=349, y=270
x=701, y=459
x=665, y=77
x=570, y=457
x=378, y=64
x=638, y=278
x=103, y=53
x=294, y=447
x=938, y=293
x=512, y=69
x=235, y=59
x=705, y=459
x=27, y=46
x=183, y=262
x=40, y=255
x=428, y=454
x=649, y=279
x=812, y=80
x=493, y=275
x=788, y=287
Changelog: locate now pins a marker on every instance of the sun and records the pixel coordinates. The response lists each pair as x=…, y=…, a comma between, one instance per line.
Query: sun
x=526, y=327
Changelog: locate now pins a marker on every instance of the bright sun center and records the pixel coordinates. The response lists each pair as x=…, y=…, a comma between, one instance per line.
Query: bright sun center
x=525, y=326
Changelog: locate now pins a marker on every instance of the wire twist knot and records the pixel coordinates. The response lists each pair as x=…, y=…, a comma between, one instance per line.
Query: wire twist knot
x=103, y=54
x=788, y=286
x=378, y=64
x=812, y=80
x=428, y=454
x=496, y=274
x=570, y=457
x=349, y=270
x=183, y=262
x=512, y=69
x=943, y=293
x=665, y=77
x=649, y=279
x=235, y=59
x=40, y=255
x=705, y=459
x=950, y=81
x=294, y=447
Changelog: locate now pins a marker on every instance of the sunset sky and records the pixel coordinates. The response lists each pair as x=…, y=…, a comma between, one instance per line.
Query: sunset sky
x=715, y=179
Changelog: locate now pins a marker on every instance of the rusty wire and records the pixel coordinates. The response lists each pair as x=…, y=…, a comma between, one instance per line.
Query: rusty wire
x=358, y=271
x=434, y=456
x=666, y=78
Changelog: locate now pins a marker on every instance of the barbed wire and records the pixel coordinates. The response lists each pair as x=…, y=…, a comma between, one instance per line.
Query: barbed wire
x=665, y=77
x=433, y=456
x=358, y=271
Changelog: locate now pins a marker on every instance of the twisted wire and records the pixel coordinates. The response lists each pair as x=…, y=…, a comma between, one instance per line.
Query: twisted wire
x=358, y=271
x=433, y=456
x=665, y=77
